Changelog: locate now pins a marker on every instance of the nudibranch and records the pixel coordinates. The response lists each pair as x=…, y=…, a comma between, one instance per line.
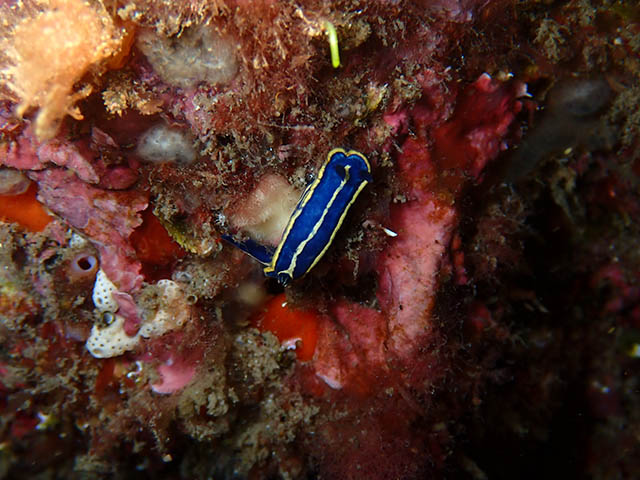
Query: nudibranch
x=316, y=218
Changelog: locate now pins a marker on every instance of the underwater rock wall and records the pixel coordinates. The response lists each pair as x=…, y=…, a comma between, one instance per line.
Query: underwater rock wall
x=475, y=316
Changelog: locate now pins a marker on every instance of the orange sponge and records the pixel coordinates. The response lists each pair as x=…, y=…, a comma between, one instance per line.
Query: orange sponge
x=293, y=327
x=25, y=210
x=153, y=244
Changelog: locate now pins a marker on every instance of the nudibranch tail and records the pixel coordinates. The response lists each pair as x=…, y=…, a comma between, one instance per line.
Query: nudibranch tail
x=260, y=252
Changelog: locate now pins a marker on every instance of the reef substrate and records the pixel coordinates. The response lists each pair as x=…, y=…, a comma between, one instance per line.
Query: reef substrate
x=477, y=315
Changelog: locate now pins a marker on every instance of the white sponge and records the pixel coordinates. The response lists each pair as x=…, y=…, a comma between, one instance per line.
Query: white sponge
x=162, y=144
x=171, y=314
x=102, y=290
x=111, y=340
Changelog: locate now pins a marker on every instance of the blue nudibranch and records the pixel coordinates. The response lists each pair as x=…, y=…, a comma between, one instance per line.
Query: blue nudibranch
x=315, y=220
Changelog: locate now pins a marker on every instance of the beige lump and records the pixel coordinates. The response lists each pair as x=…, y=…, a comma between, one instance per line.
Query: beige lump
x=199, y=54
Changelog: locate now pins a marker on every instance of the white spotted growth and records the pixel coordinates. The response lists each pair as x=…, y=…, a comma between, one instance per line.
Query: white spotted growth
x=77, y=240
x=111, y=340
x=172, y=312
x=106, y=341
x=102, y=293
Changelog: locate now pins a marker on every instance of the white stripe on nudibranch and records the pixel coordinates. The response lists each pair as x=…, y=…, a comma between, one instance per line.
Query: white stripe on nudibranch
x=316, y=227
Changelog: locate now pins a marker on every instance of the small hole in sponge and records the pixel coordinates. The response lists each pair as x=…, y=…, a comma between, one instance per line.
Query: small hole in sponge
x=83, y=265
x=86, y=263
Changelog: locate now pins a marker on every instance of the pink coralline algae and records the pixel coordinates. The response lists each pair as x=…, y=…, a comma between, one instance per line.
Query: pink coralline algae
x=108, y=217
x=477, y=314
x=175, y=375
x=409, y=267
